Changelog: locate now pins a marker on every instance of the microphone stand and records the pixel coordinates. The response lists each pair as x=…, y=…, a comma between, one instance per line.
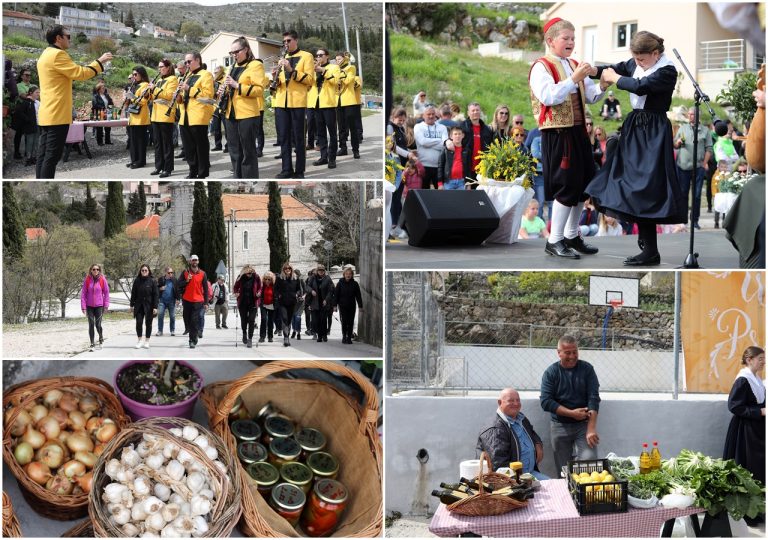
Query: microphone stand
x=692, y=259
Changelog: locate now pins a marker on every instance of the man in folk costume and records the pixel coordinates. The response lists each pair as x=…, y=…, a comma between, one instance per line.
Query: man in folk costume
x=560, y=89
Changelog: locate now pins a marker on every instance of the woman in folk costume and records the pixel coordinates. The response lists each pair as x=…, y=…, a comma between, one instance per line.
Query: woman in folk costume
x=638, y=182
x=560, y=91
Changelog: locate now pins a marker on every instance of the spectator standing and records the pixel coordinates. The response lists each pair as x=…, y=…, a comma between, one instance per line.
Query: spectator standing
x=453, y=166
x=430, y=137
x=446, y=118
x=23, y=84
x=347, y=298
x=308, y=305
x=518, y=121
x=299, y=306
x=25, y=123
x=193, y=287
x=94, y=301
x=501, y=125
x=169, y=299
x=144, y=300
x=690, y=169
x=267, y=307
x=477, y=135
x=419, y=104
x=249, y=291
x=102, y=101
x=321, y=289
x=220, y=299
x=287, y=293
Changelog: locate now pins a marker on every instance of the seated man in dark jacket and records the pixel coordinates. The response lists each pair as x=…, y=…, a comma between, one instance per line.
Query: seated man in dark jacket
x=511, y=437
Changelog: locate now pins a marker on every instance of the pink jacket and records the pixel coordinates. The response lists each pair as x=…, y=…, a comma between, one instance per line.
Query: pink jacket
x=94, y=294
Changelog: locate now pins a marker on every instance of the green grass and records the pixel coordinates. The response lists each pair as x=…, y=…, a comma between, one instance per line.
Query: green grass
x=22, y=40
x=447, y=72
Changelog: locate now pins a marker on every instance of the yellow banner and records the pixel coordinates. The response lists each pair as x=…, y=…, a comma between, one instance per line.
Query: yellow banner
x=723, y=313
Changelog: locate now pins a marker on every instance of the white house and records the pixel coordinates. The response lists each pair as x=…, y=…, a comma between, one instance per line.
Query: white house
x=91, y=23
x=17, y=22
x=216, y=52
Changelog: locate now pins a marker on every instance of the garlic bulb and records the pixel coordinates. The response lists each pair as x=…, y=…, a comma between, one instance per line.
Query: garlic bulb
x=141, y=486
x=185, y=525
x=152, y=505
x=201, y=526
x=155, y=521
x=175, y=470
x=199, y=506
x=195, y=481
x=154, y=461
x=189, y=432
x=148, y=534
x=143, y=449
x=130, y=530
x=208, y=493
x=138, y=513
x=169, y=531
x=201, y=441
x=220, y=466
x=211, y=452
x=130, y=457
x=177, y=431
x=171, y=511
x=176, y=498
x=125, y=475
x=113, y=492
x=170, y=451
x=184, y=457
x=162, y=492
x=120, y=514
x=112, y=468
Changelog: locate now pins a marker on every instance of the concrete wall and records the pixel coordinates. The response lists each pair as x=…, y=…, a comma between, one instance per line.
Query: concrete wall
x=448, y=427
x=371, y=268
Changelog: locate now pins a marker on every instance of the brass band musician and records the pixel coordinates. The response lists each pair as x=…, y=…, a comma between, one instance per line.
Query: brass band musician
x=217, y=122
x=196, y=109
x=138, y=118
x=346, y=106
x=323, y=99
x=163, y=117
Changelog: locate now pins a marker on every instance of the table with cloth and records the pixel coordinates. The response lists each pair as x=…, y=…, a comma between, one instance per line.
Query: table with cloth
x=78, y=129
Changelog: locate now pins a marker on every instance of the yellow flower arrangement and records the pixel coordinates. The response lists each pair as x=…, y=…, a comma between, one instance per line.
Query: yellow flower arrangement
x=391, y=162
x=505, y=161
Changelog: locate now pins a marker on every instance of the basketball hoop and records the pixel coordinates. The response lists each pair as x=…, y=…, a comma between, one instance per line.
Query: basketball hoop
x=616, y=304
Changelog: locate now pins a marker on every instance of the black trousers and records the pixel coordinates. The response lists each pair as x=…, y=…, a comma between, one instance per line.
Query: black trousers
x=163, y=146
x=94, y=321
x=138, y=145
x=260, y=132
x=216, y=122
x=286, y=317
x=290, y=130
x=347, y=316
x=52, y=141
x=358, y=110
x=267, y=322
x=197, y=149
x=143, y=319
x=325, y=119
x=348, y=127
x=103, y=135
x=311, y=127
x=320, y=320
x=241, y=138
x=430, y=178
x=308, y=317
x=17, y=141
x=191, y=314
x=247, y=315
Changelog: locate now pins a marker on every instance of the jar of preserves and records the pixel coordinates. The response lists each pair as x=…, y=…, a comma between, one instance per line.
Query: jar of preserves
x=265, y=475
x=245, y=430
x=324, y=509
x=297, y=474
x=288, y=501
x=277, y=426
x=282, y=451
x=251, y=452
x=323, y=465
x=238, y=411
x=266, y=411
x=310, y=440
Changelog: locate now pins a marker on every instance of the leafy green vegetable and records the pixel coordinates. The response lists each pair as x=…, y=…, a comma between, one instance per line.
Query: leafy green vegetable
x=622, y=469
x=656, y=483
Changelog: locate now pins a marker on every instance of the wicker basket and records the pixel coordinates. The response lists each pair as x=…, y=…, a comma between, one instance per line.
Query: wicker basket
x=50, y=505
x=485, y=504
x=227, y=508
x=349, y=427
x=494, y=479
x=10, y=523
x=84, y=529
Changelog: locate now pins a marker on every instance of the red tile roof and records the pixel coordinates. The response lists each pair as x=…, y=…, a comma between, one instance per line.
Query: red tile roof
x=19, y=15
x=33, y=233
x=254, y=207
x=149, y=227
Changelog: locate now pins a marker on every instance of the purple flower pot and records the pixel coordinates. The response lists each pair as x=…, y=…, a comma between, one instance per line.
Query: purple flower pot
x=137, y=410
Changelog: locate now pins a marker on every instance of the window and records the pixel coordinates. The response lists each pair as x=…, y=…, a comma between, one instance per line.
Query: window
x=245, y=240
x=624, y=33
x=303, y=239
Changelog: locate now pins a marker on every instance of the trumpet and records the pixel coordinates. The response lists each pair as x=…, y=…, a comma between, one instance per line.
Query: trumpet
x=276, y=78
x=174, y=103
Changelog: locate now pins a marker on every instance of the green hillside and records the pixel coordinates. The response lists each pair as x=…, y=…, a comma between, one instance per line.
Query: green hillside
x=447, y=72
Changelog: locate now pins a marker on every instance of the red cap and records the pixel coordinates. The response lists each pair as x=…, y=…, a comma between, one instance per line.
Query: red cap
x=550, y=22
x=645, y=445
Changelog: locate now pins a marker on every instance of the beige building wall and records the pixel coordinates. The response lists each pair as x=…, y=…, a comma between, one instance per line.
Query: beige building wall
x=216, y=51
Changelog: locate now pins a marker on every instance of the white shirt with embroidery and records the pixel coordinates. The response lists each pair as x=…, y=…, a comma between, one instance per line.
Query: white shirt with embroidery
x=550, y=93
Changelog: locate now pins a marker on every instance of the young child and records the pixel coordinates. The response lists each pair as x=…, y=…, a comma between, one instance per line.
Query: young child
x=532, y=226
x=559, y=91
x=412, y=177
x=588, y=224
x=454, y=165
x=609, y=226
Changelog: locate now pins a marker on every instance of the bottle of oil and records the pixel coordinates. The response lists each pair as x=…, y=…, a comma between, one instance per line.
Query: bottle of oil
x=645, y=460
x=655, y=457
x=457, y=487
x=448, y=496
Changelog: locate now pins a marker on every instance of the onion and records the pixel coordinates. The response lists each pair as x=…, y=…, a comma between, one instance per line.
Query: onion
x=87, y=458
x=106, y=432
x=38, y=412
x=38, y=472
x=77, y=442
x=23, y=453
x=52, y=397
x=69, y=402
x=33, y=437
x=16, y=399
x=60, y=485
x=76, y=420
x=61, y=416
x=52, y=455
x=85, y=482
x=99, y=449
x=49, y=427
x=94, y=423
x=72, y=468
x=88, y=404
x=20, y=424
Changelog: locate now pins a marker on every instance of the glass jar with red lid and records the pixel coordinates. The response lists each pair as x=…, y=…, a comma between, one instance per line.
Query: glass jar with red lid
x=325, y=507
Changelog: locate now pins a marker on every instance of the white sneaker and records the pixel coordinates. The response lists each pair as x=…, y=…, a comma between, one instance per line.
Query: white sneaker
x=138, y=344
x=146, y=344
x=402, y=235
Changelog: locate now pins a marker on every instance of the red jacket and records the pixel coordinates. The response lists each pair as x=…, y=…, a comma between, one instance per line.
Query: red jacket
x=194, y=289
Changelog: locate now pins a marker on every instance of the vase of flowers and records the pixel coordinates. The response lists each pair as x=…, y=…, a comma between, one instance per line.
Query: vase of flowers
x=505, y=171
x=728, y=189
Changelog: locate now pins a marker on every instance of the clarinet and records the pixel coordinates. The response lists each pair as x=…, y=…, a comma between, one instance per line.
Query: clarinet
x=276, y=79
x=226, y=94
x=127, y=102
x=137, y=99
x=174, y=104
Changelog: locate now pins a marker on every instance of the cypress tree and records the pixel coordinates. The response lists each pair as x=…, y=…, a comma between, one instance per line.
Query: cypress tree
x=114, y=221
x=129, y=21
x=216, y=239
x=14, y=239
x=199, y=221
x=142, y=200
x=91, y=208
x=134, y=207
x=278, y=247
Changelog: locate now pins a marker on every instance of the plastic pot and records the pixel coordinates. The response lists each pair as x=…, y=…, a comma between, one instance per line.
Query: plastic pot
x=137, y=410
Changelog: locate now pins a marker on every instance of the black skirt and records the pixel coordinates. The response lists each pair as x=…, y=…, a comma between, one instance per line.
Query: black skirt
x=638, y=182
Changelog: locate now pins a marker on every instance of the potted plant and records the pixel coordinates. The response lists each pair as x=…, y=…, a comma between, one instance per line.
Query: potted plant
x=149, y=388
x=505, y=171
x=728, y=189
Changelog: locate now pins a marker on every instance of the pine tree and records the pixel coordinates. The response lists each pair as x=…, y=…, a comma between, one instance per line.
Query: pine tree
x=216, y=239
x=14, y=239
x=199, y=221
x=129, y=21
x=142, y=199
x=114, y=221
x=278, y=247
x=91, y=208
x=134, y=207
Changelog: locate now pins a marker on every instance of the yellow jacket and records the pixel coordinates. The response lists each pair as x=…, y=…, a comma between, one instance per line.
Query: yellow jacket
x=327, y=94
x=347, y=96
x=161, y=99
x=265, y=84
x=249, y=92
x=193, y=111
x=141, y=119
x=57, y=71
x=359, y=90
x=293, y=94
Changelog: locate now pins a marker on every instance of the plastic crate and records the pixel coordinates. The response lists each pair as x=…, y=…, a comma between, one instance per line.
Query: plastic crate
x=599, y=497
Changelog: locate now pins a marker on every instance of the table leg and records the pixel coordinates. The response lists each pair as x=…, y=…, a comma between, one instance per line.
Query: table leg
x=67, y=148
x=666, y=531
x=87, y=150
x=469, y=535
x=695, y=525
x=717, y=526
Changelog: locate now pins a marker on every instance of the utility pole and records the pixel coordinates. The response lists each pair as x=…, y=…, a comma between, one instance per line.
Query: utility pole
x=344, y=18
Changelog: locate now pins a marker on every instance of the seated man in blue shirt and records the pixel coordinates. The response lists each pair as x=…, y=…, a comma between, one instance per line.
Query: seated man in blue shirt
x=511, y=437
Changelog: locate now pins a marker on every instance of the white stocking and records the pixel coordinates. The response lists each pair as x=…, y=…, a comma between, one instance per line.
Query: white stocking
x=560, y=215
x=572, y=226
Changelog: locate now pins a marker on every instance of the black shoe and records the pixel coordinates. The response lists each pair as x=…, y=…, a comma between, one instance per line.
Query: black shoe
x=16, y=155
x=325, y=338
x=643, y=260
x=180, y=156
x=155, y=172
x=269, y=340
x=225, y=326
x=217, y=147
x=293, y=335
x=190, y=176
x=107, y=142
x=136, y=166
x=226, y=150
x=284, y=174
x=249, y=344
x=332, y=164
x=717, y=225
x=261, y=340
x=191, y=344
x=218, y=327
x=199, y=335
x=186, y=332
x=298, y=336
x=298, y=176
x=278, y=156
x=342, y=152
x=578, y=244
x=356, y=154
x=559, y=249
x=260, y=153
x=696, y=225
x=100, y=143
x=320, y=162
x=319, y=340
x=276, y=144
x=165, y=174
x=129, y=165
x=309, y=147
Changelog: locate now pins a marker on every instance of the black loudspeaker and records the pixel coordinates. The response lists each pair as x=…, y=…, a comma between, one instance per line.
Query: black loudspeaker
x=448, y=217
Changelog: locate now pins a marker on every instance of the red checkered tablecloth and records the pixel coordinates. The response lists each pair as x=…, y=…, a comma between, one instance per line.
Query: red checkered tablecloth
x=552, y=513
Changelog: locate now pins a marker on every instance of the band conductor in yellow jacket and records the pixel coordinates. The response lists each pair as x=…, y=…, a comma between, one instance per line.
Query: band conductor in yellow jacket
x=323, y=98
x=346, y=106
x=240, y=94
x=138, y=118
x=163, y=117
x=57, y=71
x=295, y=74
x=196, y=109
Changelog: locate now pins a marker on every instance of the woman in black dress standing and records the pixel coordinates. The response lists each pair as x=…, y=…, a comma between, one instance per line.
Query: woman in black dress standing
x=745, y=441
x=638, y=182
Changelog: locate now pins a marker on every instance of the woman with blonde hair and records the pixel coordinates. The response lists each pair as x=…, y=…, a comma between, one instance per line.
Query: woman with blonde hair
x=267, y=307
x=248, y=291
x=501, y=126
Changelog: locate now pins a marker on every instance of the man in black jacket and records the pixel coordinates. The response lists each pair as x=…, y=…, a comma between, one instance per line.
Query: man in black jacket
x=511, y=437
x=477, y=135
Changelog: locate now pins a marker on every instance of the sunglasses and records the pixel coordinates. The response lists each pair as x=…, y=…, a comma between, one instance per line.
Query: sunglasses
x=287, y=40
x=187, y=61
x=235, y=53
x=95, y=269
x=320, y=55
x=518, y=123
x=589, y=123
x=505, y=113
x=68, y=36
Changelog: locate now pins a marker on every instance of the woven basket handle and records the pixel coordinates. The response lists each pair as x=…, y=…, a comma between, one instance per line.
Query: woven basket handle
x=370, y=413
x=483, y=457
